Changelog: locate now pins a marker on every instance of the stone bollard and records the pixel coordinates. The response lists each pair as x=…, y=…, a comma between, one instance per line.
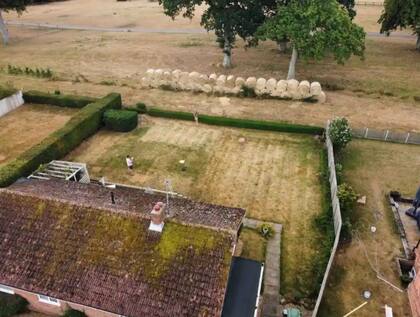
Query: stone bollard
x=260, y=87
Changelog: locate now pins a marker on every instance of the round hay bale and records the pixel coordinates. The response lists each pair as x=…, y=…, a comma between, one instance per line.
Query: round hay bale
x=213, y=79
x=315, y=89
x=208, y=89
x=145, y=82
x=150, y=73
x=304, y=88
x=321, y=98
x=251, y=82
x=230, y=82
x=221, y=81
x=239, y=82
x=260, y=87
x=204, y=79
x=271, y=85
x=281, y=88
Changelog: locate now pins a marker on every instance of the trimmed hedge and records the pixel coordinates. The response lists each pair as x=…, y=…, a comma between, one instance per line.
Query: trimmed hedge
x=121, y=120
x=238, y=123
x=73, y=313
x=4, y=93
x=70, y=101
x=84, y=124
x=11, y=305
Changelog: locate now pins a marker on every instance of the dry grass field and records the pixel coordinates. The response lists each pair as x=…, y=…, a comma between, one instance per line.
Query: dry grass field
x=379, y=89
x=273, y=176
x=28, y=125
x=373, y=169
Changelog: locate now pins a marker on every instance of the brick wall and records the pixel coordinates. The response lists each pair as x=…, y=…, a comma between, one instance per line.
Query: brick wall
x=414, y=288
x=36, y=305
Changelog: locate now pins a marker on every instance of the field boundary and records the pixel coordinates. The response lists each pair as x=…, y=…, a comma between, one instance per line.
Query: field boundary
x=235, y=122
x=387, y=136
x=336, y=214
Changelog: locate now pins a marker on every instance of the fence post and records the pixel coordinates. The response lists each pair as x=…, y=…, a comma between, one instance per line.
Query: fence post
x=408, y=136
x=366, y=133
x=386, y=135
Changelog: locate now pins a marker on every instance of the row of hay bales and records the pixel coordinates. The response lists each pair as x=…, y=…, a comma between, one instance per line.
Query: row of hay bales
x=222, y=84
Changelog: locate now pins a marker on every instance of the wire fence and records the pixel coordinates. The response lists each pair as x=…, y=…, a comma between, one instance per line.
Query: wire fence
x=336, y=214
x=387, y=135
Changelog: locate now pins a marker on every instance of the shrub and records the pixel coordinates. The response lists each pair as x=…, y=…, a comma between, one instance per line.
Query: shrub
x=141, y=107
x=340, y=133
x=73, y=313
x=266, y=230
x=237, y=123
x=11, y=305
x=347, y=197
x=121, y=120
x=85, y=123
x=57, y=99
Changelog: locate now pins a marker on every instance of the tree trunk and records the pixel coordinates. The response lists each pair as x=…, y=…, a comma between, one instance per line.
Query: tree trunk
x=282, y=46
x=418, y=42
x=292, y=65
x=3, y=30
x=227, y=52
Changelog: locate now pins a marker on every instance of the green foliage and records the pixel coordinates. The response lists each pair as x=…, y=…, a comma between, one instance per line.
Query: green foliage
x=5, y=92
x=84, y=124
x=347, y=197
x=37, y=72
x=237, y=123
x=57, y=99
x=73, y=313
x=11, y=305
x=140, y=107
x=340, y=133
x=266, y=230
x=16, y=5
x=121, y=120
x=401, y=14
x=316, y=28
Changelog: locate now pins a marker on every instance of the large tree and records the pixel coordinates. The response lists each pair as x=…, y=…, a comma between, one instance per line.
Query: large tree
x=401, y=14
x=315, y=29
x=10, y=5
x=228, y=18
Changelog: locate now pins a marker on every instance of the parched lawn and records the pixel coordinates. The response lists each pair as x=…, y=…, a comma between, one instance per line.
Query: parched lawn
x=28, y=125
x=373, y=169
x=253, y=245
x=274, y=176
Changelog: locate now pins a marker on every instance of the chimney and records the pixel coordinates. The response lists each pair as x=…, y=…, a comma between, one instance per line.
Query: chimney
x=157, y=215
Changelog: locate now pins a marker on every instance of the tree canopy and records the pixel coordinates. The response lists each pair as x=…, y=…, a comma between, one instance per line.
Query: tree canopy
x=16, y=5
x=315, y=29
x=401, y=14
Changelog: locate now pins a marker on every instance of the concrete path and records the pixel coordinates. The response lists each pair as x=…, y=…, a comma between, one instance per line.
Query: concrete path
x=271, y=296
x=151, y=30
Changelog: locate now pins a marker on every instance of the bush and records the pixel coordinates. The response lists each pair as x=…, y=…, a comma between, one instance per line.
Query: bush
x=73, y=313
x=84, y=124
x=340, y=133
x=11, y=305
x=57, y=99
x=121, y=120
x=237, y=123
x=140, y=107
x=266, y=230
x=347, y=197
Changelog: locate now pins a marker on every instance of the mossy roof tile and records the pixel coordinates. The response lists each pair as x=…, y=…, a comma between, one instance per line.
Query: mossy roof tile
x=103, y=256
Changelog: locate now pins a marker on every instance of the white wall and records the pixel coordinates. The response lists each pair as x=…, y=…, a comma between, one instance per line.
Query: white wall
x=11, y=103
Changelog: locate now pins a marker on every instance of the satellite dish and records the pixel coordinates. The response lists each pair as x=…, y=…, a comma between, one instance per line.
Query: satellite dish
x=367, y=294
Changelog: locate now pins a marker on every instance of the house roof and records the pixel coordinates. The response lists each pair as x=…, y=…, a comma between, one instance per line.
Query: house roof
x=129, y=199
x=105, y=257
